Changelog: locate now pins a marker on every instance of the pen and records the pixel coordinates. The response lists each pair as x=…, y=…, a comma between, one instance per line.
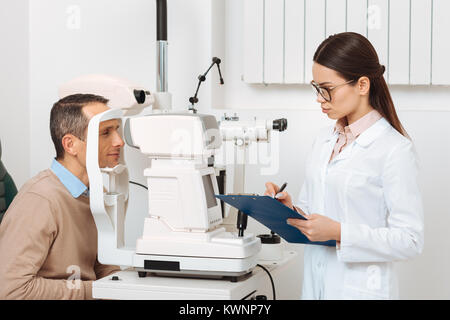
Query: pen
x=281, y=189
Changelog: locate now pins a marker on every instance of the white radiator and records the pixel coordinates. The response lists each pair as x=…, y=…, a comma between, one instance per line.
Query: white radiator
x=412, y=37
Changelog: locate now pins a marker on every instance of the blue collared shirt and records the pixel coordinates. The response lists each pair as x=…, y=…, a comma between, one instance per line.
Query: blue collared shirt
x=69, y=180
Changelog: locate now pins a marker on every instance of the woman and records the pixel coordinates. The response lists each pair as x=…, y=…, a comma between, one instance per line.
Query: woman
x=361, y=184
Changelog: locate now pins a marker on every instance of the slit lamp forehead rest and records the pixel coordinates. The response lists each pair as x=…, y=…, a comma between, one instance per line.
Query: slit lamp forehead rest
x=121, y=93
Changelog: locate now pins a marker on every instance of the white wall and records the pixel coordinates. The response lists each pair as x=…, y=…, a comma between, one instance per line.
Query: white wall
x=14, y=106
x=114, y=37
x=118, y=37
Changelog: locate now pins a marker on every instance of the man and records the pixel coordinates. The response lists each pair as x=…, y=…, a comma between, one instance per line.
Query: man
x=48, y=237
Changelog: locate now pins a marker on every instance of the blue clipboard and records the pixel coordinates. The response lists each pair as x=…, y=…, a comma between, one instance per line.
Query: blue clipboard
x=273, y=214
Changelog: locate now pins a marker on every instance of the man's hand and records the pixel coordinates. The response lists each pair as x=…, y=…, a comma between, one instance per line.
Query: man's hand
x=318, y=227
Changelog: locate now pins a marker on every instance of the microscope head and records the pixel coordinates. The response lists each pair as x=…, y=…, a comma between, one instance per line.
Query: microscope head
x=174, y=135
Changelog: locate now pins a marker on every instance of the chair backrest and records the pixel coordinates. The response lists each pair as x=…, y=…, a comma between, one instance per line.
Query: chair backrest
x=2, y=190
x=8, y=189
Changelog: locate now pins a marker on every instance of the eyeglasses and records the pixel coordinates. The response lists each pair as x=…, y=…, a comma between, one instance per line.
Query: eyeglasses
x=325, y=92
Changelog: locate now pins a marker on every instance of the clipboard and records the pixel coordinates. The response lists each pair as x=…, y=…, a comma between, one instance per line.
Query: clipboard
x=273, y=214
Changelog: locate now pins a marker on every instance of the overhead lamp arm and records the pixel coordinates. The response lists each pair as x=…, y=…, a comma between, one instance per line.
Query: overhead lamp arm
x=201, y=78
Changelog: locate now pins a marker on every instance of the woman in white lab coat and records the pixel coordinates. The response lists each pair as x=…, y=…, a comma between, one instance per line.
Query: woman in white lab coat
x=361, y=185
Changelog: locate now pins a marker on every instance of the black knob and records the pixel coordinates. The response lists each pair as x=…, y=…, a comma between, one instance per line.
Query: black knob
x=261, y=297
x=115, y=278
x=193, y=100
x=140, y=96
x=280, y=124
x=269, y=238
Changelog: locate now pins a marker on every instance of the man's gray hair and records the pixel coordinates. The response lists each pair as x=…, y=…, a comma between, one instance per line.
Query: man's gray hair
x=67, y=117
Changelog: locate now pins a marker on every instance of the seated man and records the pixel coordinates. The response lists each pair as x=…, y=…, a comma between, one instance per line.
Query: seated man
x=48, y=237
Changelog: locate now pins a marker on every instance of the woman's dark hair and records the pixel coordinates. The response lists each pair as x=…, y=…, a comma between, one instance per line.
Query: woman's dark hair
x=353, y=56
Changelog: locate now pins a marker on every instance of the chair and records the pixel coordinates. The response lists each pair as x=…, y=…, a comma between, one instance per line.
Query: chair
x=8, y=189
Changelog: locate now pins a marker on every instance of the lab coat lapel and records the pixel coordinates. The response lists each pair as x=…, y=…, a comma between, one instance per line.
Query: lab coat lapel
x=364, y=139
x=372, y=133
x=327, y=149
x=324, y=150
x=344, y=154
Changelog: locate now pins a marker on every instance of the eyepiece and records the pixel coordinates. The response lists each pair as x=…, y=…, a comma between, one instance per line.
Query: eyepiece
x=140, y=96
x=280, y=124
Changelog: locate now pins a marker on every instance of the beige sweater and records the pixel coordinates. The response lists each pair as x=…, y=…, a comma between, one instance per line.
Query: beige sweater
x=48, y=240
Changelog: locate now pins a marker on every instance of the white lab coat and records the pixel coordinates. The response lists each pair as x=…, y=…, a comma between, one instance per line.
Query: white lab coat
x=371, y=188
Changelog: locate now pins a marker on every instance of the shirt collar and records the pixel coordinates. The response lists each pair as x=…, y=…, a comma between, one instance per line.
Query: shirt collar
x=359, y=126
x=69, y=180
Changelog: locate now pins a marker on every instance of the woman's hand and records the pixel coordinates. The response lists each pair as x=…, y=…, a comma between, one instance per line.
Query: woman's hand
x=283, y=197
x=318, y=227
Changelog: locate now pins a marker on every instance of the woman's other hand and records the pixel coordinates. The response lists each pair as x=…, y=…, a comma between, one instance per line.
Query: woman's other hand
x=318, y=227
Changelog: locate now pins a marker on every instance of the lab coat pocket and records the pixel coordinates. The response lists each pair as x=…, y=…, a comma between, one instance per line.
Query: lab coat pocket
x=352, y=293
x=365, y=281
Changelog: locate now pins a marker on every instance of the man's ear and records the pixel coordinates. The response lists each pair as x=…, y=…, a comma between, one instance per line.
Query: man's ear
x=364, y=86
x=70, y=144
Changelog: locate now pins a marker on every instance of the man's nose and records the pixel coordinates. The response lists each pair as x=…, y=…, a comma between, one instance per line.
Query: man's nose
x=118, y=141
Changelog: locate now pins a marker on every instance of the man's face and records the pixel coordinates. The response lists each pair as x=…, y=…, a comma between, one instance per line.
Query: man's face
x=110, y=142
